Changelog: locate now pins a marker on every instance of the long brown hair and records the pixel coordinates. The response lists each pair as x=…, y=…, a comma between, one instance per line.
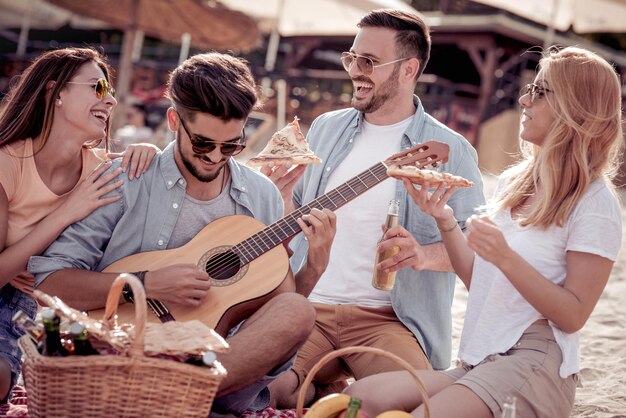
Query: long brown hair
x=28, y=110
x=584, y=143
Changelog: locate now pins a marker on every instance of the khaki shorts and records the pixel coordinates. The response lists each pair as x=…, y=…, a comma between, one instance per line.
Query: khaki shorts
x=339, y=326
x=529, y=371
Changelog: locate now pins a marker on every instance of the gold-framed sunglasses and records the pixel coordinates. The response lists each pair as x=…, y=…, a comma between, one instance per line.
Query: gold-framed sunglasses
x=535, y=90
x=363, y=63
x=101, y=87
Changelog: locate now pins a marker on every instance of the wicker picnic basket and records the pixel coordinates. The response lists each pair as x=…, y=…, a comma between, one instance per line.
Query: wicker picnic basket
x=117, y=385
x=360, y=349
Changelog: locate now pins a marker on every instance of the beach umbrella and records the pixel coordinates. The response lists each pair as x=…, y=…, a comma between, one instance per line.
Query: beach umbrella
x=202, y=24
x=289, y=18
x=582, y=16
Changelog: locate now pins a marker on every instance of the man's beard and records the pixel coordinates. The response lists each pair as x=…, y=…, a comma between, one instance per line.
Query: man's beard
x=388, y=89
x=193, y=170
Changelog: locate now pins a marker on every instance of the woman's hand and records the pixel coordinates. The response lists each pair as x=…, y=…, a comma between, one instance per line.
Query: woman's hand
x=24, y=282
x=433, y=204
x=87, y=196
x=485, y=238
x=319, y=228
x=138, y=157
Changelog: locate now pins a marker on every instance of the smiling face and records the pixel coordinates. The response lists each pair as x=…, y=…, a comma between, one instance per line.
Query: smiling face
x=80, y=109
x=203, y=167
x=381, y=89
x=537, y=115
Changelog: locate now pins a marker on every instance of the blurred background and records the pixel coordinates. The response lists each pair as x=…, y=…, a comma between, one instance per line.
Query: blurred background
x=483, y=52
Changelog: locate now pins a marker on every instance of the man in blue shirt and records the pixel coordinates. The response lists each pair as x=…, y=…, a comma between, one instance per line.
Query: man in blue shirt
x=414, y=320
x=191, y=184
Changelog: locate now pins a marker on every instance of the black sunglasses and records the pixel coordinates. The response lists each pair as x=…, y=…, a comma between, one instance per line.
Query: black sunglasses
x=204, y=146
x=101, y=87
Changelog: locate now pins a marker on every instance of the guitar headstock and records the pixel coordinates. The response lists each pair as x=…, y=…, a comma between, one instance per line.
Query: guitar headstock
x=431, y=153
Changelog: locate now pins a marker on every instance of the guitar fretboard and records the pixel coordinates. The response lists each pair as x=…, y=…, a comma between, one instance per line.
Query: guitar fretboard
x=263, y=241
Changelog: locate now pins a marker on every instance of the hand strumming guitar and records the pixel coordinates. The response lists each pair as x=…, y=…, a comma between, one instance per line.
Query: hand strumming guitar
x=182, y=284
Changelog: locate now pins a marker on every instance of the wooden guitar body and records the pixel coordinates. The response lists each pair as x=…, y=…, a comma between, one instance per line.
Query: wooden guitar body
x=235, y=293
x=246, y=260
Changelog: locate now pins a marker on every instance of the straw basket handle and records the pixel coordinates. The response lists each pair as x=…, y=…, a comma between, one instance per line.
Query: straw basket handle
x=360, y=349
x=139, y=294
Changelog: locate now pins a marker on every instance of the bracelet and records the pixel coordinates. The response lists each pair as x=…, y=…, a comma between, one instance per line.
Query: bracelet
x=127, y=292
x=449, y=229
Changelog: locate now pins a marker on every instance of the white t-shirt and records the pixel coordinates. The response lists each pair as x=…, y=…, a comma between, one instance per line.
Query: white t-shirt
x=348, y=278
x=497, y=314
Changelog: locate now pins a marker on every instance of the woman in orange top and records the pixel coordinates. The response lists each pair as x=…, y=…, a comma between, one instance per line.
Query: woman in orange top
x=51, y=122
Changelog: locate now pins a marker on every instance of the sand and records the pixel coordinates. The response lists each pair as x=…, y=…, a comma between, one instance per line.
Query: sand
x=603, y=340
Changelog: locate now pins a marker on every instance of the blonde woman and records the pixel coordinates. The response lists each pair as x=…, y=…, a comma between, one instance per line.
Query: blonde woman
x=51, y=122
x=536, y=266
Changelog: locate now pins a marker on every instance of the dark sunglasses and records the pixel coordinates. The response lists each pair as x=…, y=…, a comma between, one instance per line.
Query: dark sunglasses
x=364, y=64
x=536, y=91
x=204, y=146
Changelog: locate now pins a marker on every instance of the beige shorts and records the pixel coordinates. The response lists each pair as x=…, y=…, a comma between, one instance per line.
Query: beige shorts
x=529, y=371
x=339, y=326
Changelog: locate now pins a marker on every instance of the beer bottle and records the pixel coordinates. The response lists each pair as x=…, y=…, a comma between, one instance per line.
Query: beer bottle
x=353, y=408
x=380, y=279
x=30, y=327
x=82, y=346
x=51, y=324
x=508, y=409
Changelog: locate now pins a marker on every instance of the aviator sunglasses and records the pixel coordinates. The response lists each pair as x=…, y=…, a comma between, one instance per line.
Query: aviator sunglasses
x=536, y=91
x=101, y=87
x=364, y=64
x=204, y=146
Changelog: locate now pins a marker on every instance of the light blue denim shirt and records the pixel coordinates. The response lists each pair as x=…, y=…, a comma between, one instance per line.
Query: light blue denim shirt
x=144, y=218
x=422, y=300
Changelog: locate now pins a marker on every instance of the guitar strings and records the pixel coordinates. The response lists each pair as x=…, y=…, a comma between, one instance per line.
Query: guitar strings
x=223, y=262
x=231, y=259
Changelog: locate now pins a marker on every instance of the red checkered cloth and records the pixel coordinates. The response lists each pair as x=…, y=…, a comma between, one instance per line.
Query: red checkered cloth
x=270, y=412
x=16, y=408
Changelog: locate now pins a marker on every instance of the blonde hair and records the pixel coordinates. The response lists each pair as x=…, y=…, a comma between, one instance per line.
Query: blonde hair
x=583, y=144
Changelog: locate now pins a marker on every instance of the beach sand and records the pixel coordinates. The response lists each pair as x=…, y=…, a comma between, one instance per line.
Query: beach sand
x=603, y=340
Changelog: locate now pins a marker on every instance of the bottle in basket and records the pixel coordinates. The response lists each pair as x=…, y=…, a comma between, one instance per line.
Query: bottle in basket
x=508, y=409
x=354, y=407
x=380, y=279
x=30, y=327
x=82, y=346
x=52, y=345
x=206, y=360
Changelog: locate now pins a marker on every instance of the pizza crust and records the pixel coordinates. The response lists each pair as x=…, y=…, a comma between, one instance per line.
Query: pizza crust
x=419, y=176
x=294, y=159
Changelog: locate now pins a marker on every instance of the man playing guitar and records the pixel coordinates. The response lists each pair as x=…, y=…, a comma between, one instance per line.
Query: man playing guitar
x=192, y=183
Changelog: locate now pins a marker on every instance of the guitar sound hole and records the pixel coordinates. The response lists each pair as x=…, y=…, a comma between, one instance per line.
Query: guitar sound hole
x=223, y=266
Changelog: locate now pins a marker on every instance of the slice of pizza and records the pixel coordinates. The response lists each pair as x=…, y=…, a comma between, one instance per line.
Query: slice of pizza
x=286, y=146
x=419, y=176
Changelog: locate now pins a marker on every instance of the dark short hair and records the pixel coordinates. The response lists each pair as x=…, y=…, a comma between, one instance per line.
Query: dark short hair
x=413, y=34
x=214, y=83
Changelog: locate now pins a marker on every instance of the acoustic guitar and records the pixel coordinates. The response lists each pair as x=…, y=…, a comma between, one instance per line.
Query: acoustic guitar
x=245, y=260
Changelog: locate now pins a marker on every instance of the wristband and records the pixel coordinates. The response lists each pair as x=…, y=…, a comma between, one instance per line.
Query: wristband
x=449, y=229
x=127, y=292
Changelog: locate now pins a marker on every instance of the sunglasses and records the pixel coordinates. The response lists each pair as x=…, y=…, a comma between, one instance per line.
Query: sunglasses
x=204, y=146
x=102, y=87
x=536, y=91
x=364, y=64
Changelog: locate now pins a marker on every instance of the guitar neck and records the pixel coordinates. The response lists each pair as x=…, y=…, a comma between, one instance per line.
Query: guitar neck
x=279, y=231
